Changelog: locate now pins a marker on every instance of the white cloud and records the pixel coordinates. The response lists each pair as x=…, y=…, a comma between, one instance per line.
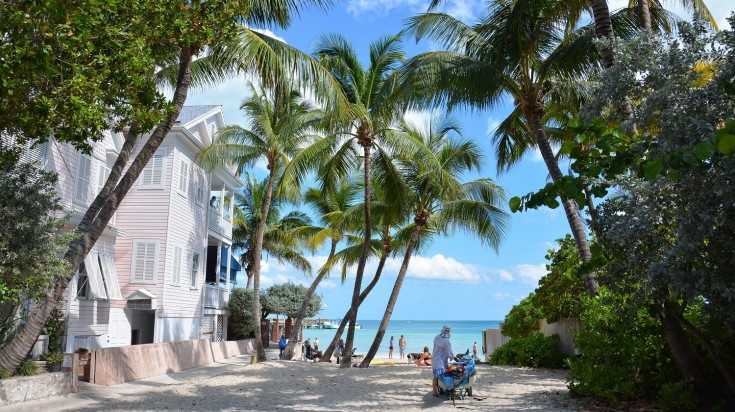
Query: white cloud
x=381, y=7
x=501, y=296
x=530, y=274
x=503, y=274
x=438, y=267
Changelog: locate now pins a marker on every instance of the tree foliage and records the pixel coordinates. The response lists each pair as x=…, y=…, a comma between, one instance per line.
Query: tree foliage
x=285, y=299
x=30, y=241
x=240, y=321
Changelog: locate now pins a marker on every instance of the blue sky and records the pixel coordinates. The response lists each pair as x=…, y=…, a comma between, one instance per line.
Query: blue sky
x=456, y=278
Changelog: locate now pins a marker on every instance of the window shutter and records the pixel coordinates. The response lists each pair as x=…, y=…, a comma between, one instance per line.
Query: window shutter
x=81, y=192
x=184, y=177
x=94, y=276
x=152, y=176
x=176, y=281
x=139, y=262
x=150, y=262
x=200, y=188
x=104, y=173
x=109, y=275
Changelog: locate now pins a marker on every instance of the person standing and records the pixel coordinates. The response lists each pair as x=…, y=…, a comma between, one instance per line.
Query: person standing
x=402, y=347
x=390, y=348
x=281, y=346
x=442, y=353
x=316, y=344
x=474, y=351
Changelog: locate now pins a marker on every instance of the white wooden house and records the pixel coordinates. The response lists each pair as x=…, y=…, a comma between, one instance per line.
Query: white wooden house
x=146, y=280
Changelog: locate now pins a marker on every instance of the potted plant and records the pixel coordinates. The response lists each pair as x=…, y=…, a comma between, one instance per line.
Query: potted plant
x=53, y=361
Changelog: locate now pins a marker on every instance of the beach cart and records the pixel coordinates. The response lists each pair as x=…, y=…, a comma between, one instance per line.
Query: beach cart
x=457, y=379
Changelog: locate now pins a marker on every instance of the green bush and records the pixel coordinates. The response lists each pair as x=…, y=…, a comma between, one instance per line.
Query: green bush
x=677, y=396
x=535, y=350
x=522, y=320
x=624, y=356
x=27, y=368
x=53, y=357
x=5, y=374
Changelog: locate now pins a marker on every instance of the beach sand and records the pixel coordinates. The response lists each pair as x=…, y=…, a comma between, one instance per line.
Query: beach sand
x=305, y=386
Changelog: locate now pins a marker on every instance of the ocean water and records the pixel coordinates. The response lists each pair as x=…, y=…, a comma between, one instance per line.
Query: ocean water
x=418, y=333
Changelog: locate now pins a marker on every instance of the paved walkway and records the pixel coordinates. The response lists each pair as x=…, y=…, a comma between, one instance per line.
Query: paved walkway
x=90, y=395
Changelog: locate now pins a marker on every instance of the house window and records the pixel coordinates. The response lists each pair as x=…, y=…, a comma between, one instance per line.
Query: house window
x=104, y=173
x=81, y=191
x=82, y=283
x=200, y=188
x=153, y=174
x=176, y=279
x=194, y=270
x=145, y=260
x=184, y=178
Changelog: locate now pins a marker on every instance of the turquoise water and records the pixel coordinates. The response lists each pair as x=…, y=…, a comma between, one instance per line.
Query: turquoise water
x=418, y=333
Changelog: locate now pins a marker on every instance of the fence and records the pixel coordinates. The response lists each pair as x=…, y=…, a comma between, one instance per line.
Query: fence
x=565, y=328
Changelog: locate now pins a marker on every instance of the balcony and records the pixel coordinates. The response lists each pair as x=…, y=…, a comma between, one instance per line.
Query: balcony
x=215, y=297
x=220, y=224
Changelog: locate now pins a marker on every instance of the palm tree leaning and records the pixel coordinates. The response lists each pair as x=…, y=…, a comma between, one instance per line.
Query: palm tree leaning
x=440, y=202
x=332, y=207
x=280, y=239
x=279, y=123
x=507, y=52
x=368, y=91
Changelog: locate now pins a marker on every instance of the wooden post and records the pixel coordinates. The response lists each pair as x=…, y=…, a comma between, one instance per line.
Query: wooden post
x=75, y=372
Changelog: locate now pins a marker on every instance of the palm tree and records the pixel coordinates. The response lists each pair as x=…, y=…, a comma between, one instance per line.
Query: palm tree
x=368, y=90
x=278, y=126
x=440, y=202
x=266, y=58
x=280, y=240
x=510, y=51
x=332, y=208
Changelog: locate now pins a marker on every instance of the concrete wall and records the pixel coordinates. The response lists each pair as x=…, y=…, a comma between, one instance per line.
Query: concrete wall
x=113, y=366
x=28, y=388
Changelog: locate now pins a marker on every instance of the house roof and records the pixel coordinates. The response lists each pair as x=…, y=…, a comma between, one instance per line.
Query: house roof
x=189, y=113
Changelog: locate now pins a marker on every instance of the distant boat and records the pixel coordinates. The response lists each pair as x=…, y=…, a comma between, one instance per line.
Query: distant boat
x=323, y=325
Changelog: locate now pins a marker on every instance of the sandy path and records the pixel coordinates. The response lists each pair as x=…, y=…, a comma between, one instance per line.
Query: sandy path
x=301, y=386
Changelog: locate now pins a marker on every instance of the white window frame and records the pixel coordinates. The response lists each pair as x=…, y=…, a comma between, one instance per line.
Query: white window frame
x=201, y=182
x=82, y=283
x=155, y=245
x=82, y=183
x=176, y=274
x=109, y=276
x=183, y=187
x=196, y=261
x=156, y=164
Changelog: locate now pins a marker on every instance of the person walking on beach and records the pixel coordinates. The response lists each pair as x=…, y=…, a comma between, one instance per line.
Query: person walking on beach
x=316, y=344
x=390, y=348
x=402, y=347
x=442, y=352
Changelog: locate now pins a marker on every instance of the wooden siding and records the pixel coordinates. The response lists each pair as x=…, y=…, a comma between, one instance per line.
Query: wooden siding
x=187, y=230
x=143, y=214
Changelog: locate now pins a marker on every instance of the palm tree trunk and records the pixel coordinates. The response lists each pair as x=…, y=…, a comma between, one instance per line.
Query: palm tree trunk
x=257, y=255
x=604, y=31
x=644, y=15
x=288, y=352
x=533, y=115
x=327, y=354
x=419, y=221
x=367, y=145
x=17, y=348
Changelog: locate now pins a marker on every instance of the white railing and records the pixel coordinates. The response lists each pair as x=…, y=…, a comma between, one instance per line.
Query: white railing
x=219, y=223
x=215, y=297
